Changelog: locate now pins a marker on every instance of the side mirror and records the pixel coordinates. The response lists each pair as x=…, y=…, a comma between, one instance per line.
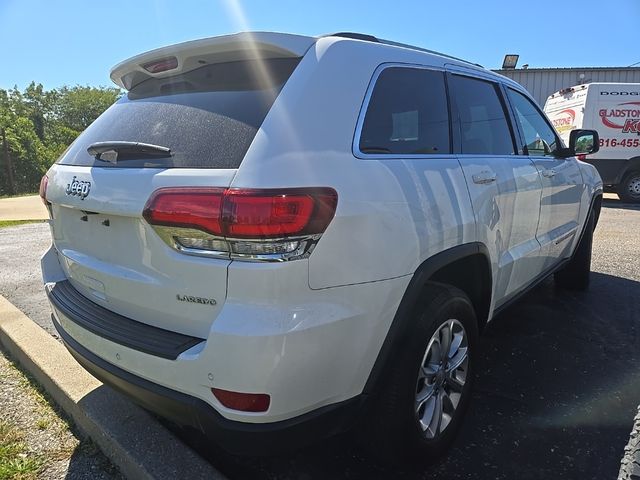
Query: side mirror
x=583, y=142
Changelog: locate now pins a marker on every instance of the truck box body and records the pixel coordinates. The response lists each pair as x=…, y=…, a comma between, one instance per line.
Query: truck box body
x=613, y=109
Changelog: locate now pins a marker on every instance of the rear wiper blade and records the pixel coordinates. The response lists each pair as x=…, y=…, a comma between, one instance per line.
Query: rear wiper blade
x=112, y=151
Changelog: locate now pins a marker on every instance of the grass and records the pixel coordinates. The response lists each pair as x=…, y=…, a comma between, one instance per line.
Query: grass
x=51, y=418
x=13, y=223
x=43, y=423
x=15, y=463
x=47, y=407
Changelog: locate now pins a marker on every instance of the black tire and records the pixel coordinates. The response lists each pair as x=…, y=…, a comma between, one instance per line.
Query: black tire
x=392, y=432
x=577, y=273
x=629, y=188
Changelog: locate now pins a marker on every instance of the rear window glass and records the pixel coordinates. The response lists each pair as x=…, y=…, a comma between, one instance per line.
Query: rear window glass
x=407, y=113
x=207, y=117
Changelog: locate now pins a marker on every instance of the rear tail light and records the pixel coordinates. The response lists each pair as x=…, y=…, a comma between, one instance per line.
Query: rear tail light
x=268, y=224
x=245, y=402
x=44, y=182
x=197, y=208
x=278, y=213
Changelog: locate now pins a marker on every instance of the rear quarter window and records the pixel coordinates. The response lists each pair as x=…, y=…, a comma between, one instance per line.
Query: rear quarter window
x=407, y=114
x=207, y=117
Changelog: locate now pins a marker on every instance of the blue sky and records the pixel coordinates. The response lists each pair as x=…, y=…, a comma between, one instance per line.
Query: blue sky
x=58, y=42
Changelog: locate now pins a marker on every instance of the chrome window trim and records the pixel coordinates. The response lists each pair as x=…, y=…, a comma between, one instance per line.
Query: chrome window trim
x=355, y=145
x=447, y=68
x=541, y=113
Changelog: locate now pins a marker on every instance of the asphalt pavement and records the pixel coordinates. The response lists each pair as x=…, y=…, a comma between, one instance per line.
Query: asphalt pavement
x=21, y=248
x=556, y=393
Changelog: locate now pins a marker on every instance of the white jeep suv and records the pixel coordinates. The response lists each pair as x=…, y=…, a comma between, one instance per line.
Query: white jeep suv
x=272, y=237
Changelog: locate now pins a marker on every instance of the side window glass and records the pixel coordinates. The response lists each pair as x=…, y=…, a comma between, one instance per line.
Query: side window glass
x=407, y=114
x=540, y=139
x=483, y=122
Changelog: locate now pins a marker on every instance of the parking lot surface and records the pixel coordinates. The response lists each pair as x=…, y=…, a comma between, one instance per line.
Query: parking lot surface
x=556, y=393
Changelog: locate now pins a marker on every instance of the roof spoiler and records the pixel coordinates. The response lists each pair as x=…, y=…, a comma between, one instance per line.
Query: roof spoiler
x=184, y=57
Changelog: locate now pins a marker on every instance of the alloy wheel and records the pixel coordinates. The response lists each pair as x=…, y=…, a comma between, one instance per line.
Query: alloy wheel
x=441, y=379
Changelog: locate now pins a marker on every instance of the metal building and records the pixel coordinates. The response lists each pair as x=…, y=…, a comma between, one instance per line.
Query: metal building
x=542, y=82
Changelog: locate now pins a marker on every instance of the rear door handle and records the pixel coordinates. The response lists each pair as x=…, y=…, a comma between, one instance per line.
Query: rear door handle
x=549, y=172
x=484, y=178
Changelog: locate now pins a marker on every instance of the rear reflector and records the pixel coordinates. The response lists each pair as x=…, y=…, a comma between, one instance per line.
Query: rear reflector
x=245, y=402
x=244, y=213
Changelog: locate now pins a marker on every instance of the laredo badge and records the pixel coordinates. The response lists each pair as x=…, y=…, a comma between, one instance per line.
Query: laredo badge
x=192, y=299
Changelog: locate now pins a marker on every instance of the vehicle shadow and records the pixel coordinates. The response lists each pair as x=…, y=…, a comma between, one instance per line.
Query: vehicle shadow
x=557, y=388
x=617, y=203
x=87, y=461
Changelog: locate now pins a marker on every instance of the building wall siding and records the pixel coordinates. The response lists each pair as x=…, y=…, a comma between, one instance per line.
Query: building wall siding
x=542, y=82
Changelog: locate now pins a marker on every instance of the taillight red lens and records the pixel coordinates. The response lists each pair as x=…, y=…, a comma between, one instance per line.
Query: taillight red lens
x=244, y=213
x=245, y=402
x=273, y=213
x=198, y=208
x=44, y=182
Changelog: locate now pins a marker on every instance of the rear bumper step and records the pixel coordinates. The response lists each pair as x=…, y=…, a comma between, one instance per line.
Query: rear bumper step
x=117, y=328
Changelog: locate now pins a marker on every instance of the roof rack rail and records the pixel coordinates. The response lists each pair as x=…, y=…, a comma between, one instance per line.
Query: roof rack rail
x=355, y=36
x=426, y=50
x=371, y=38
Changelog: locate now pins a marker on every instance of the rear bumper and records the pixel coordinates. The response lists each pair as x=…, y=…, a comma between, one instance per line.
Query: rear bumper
x=187, y=411
x=311, y=351
x=116, y=328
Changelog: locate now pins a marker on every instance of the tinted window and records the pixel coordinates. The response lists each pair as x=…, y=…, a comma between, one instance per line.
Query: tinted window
x=483, y=123
x=207, y=117
x=407, y=113
x=539, y=137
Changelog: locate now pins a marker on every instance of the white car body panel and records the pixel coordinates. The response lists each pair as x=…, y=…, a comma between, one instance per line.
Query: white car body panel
x=124, y=267
x=307, y=332
x=505, y=220
x=269, y=340
x=559, y=207
x=246, y=45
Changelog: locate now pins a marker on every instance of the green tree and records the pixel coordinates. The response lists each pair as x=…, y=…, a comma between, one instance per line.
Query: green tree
x=39, y=106
x=79, y=106
x=37, y=125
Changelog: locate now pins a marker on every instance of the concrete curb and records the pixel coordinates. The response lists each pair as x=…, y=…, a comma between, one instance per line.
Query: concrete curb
x=133, y=440
x=630, y=464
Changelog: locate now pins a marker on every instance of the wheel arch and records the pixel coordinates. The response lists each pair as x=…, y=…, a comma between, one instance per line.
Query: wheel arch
x=454, y=267
x=596, y=206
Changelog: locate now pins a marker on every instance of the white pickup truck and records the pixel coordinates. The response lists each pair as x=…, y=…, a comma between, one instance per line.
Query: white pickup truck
x=613, y=109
